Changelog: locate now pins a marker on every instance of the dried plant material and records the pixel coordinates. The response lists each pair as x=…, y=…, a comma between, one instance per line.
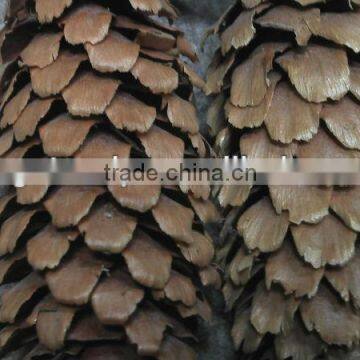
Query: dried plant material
x=160, y=144
x=29, y=119
x=345, y=203
x=125, y=22
x=346, y=280
x=239, y=33
x=244, y=333
x=290, y=117
x=198, y=142
x=250, y=79
x=5, y=199
x=193, y=76
x=6, y=94
x=174, y=219
x=155, y=39
x=48, y=247
x=180, y=288
x=52, y=79
x=161, y=7
x=262, y=228
x=22, y=150
x=69, y=204
x=174, y=349
x=116, y=298
x=240, y=268
x=63, y=136
x=127, y=112
x=258, y=144
x=15, y=106
x=198, y=191
x=271, y=311
x=148, y=262
x=31, y=319
x=178, y=328
x=252, y=116
x=47, y=10
x=318, y=72
x=296, y=277
x=182, y=114
x=15, y=35
x=216, y=75
x=185, y=48
x=223, y=141
x=101, y=254
x=209, y=276
x=215, y=29
x=205, y=209
x=13, y=228
x=343, y=120
x=334, y=321
x=171, y=11
x=6, y=141
x=8, y=263
x=159, y=78
x=200, y=252
x=215, y=115
x=328, y=242
x=43, y=50
x=114, y=53
x=288, y=18
x=139, y=198
x=90, y=329
x=7, y=333
x=146, y=330
x=103, y=146
x=30, y=194
x=231, y=295
x=202, y=309
x=107, y=229
x=54, y=321
x=341, y=28
x=298, y=344
x=152, y=6
x=305, y=203
x=157, y=55
x=89, y=94
x=75, y=279
x=355, y=80
x=325, y=146
x=17, y=295
x=234, y=195
x=88, y=23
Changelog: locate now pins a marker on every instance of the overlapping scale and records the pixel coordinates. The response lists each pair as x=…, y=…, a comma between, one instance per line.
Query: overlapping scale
x=83, y=267
x=287, y=76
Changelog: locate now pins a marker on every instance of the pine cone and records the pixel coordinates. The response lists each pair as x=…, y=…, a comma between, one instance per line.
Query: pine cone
x=292, y=265
x=96, y=272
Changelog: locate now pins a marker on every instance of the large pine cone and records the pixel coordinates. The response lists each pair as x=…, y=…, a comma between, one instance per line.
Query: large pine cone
x=287, y=78
x=96, y=272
